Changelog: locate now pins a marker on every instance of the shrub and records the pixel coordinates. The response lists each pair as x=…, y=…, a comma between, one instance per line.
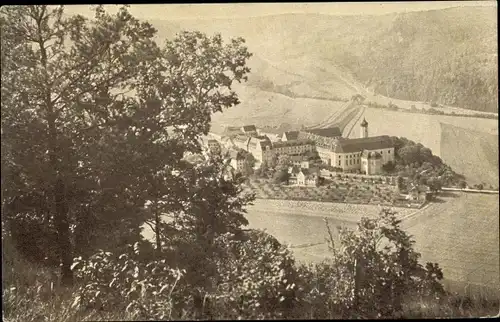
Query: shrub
x=142, y=289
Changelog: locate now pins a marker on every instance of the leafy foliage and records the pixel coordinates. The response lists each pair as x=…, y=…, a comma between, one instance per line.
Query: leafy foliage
x=97, y=118
x=416, y=162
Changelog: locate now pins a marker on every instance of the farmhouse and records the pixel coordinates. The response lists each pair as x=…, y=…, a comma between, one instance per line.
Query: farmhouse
x=303, y=177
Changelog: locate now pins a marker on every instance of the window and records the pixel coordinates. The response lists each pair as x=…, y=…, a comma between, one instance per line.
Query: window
x=389, y=151
x=339, y=162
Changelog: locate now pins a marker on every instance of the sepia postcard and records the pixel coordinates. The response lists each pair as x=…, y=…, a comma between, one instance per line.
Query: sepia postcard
x=330, y=160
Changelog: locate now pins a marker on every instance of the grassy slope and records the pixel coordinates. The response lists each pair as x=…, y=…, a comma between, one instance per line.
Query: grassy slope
x=267, y=108
x=462, y=235
x=474, y=153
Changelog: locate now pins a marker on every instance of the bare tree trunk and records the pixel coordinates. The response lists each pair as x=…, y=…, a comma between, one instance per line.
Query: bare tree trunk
x=63, y=233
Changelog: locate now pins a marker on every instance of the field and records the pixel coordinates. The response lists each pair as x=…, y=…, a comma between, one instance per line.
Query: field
x=301, y=223
x=267, y=108
x=462, y=235
x=461, y=232
x=474, y=153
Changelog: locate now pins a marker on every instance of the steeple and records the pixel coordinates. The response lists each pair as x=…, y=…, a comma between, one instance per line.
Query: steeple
x=364, y=129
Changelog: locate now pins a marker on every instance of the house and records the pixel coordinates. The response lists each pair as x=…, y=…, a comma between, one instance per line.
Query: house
x=303, y=177
x=256, y=145
x=417, y=193
x=308, y=177
x=237, y=160
x=293, y=172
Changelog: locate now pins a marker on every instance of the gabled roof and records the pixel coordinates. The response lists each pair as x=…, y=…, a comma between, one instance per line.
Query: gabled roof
x=249, y=128
x=294, y=170
x=291, y=135
x=330, y=132
x=358, y=145
x=310, y=172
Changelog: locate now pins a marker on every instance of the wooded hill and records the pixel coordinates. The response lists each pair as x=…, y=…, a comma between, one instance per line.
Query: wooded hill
x=444, y=56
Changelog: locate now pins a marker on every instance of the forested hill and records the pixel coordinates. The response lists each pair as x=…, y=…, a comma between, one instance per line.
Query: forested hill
x=445, y=56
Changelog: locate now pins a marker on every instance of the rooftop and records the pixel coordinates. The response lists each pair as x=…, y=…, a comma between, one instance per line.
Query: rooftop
x=249, y=128
x=330, y=132
x=291, y=135
x=358, y=145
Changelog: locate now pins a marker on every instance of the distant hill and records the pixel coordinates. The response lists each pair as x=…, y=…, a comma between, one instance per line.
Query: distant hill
x=444, y=56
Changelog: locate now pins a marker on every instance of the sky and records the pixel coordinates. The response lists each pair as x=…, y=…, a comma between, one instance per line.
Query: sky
x=239, y=10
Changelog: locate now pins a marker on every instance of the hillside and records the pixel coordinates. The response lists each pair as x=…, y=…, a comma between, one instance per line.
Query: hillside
x=474, y=153
x=446, y=56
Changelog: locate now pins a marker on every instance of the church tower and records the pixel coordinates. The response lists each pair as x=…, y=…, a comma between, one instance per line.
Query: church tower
x=364, y=129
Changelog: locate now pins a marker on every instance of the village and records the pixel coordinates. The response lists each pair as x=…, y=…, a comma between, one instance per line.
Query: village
x=318, y=165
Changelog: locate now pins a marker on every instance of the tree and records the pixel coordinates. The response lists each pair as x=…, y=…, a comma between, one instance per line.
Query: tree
x=400, y=183
x=389, y=167
x=249, y=164
x=376, y=267
x=283, y=162
x=96, y=117
x=281, y=176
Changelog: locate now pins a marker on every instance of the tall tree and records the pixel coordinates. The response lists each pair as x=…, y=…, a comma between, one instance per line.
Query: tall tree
x=96, y=117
